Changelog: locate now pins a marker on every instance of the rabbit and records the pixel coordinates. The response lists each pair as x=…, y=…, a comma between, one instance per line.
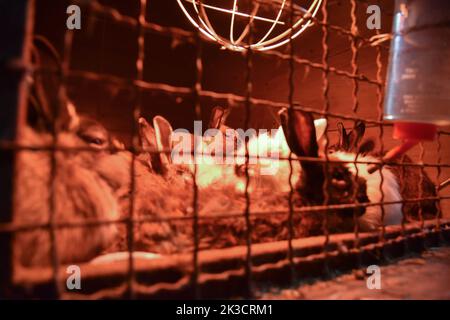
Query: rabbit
x=162, y=190
x=269, y=165
x=79, y=194
x=221, y=191
x=158, y=193
x=150, y=196
x=63, y=182
x=217, y=194
x=345, y=180
x=175, y=160
x=211, y=174
x=91, y=186
x=409, y=178
x=265, y=172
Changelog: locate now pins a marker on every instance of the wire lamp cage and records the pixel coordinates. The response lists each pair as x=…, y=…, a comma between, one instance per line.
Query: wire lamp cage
x=236, y=271
x=268, y=40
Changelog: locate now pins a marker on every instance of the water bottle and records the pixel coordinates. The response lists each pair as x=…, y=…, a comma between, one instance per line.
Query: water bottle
x=418, y=83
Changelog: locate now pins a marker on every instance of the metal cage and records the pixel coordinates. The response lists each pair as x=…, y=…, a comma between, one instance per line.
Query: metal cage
x=213, y=273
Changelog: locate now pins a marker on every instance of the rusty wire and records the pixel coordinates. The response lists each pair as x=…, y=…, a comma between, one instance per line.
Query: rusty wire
x=438, y=179
x=139, y=64
x=291, y=168
x=139, y=84
x=422, y=173
x=233, y=100
x=5, y=145
x=380, y=138
x=355, y=70
x=198, y=114
x=65, y=67
x=402, y=190
x=326, y=108
x=248, y=107
x=15, y=227
x=180, y=34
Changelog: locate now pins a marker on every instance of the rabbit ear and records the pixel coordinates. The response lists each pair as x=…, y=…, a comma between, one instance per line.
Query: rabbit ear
x=52, y=103
x=300, y=133
x=320, y=125
x=164, y=132
x=343, y=138
x=218, y=118
x=149, y=142
x=356, y=135
x=147, y=135
x=68, y=118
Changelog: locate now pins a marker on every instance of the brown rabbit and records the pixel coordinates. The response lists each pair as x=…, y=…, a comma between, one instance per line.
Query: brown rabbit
x=89, y=186
x=158, y=193
x=61, y=187
x=80, y=196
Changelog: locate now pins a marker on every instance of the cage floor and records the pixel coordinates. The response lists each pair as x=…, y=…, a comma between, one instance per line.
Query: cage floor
x=422, y=276
x=221, y=272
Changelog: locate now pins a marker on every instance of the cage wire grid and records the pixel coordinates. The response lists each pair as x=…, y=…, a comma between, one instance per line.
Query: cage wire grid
x=364, y=246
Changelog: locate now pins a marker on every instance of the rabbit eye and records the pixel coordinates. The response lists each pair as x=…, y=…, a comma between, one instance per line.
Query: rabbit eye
x=93, y=140
x=93, y=133
x=97, y=141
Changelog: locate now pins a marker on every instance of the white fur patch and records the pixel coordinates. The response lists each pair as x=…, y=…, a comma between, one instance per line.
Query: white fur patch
x=372, y=218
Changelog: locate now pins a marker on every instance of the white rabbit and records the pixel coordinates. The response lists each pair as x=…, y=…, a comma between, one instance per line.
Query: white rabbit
x=269, y=153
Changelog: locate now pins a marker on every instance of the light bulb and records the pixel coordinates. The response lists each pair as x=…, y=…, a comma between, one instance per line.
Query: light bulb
x=278, y=33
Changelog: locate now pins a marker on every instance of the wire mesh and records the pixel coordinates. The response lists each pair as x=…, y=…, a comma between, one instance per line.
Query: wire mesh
x=199, y=94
